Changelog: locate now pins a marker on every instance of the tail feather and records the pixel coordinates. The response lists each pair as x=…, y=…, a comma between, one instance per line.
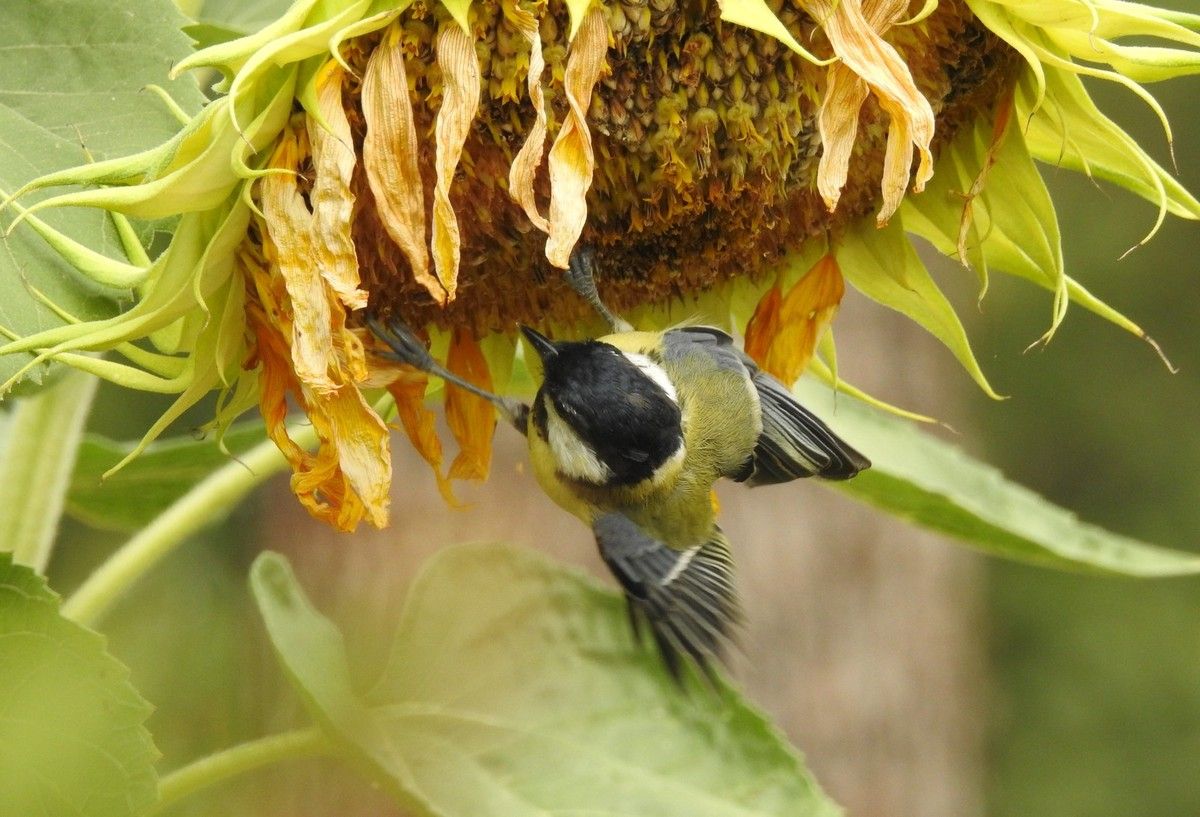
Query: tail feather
x=795, y=443
x=685, y=597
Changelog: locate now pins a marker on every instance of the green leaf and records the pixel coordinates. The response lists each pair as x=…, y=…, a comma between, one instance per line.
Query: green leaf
x=222, y=20
x=36, y=464
x=515, y=688
x=71, y=79
x=134, y=496
x=918, y=477
x=72, y=740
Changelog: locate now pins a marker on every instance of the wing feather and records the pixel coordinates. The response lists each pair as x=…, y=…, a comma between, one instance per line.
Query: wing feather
x=686, y=597
x=795, y=443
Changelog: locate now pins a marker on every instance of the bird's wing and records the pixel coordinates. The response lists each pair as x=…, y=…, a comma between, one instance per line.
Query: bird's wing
x=686, y=597
x=795, y=442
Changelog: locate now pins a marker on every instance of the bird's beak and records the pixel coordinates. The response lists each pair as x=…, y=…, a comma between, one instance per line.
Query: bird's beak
x=540, y=343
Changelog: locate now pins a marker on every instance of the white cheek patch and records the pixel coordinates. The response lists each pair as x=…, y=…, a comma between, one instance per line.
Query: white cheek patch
x=655, y=372
x=573, y=457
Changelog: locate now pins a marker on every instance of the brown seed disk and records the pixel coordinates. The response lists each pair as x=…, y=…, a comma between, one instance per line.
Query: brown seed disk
x=706, y=153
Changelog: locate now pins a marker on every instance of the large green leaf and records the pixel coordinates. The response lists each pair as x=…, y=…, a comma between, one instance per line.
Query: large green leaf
x=515, y=688
x=134, y=496
x=72, y=74
x=918, y=477
x=71, y=734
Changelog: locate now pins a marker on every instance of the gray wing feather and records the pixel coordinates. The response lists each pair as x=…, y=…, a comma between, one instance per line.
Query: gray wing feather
x=795, y=443
x=686, y=597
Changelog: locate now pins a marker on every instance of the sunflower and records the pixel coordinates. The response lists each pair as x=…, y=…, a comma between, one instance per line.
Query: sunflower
x=438, y=163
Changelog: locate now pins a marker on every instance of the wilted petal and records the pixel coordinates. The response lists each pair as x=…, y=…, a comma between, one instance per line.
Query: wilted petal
x=349, y=474
x=390, y=157
x=858, y=42
x=332, y=201
x=798, y=320
x=838, y=122
x=461, y=87
x=289, y=225
x=472, y=419
x=420, y=425
x=572, y=160
x=523, y=172
x=360, y=439
x=763, y=325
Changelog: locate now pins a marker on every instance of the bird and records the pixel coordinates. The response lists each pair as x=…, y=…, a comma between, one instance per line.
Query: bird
x=630, y=431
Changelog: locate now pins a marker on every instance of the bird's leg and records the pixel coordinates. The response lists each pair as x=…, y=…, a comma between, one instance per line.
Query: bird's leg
x=406, y=348
x=581, y=276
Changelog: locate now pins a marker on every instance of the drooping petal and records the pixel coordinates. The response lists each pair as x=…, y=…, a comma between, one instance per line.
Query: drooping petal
x=289, y=225
x=360, y=439
x=785, y=329
x=420, y=425
x=349, y=475
x=858, y=42
x=763, y=327
x=331, y=197
x=838, y=123
x=572, y=160
x=460, y=98
x=472, y=419
x=390, y=153
x=523, y=172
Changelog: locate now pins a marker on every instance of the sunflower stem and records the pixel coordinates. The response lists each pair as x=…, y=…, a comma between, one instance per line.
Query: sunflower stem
x=42, y=441
x=211, y=498
x=238, y=760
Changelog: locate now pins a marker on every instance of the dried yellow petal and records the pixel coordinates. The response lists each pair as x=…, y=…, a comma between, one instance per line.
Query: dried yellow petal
x=331, y=197
x=522, y=174
x=289, y=225
x=461, y=87
x=858, y=42
x=390, y=157
x=360, y=438
x=838, y=123
x=349, y=475
x=572, y=160
x=472, y=419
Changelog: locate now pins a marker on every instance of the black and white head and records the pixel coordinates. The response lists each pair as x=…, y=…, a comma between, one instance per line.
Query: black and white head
x=609, y=417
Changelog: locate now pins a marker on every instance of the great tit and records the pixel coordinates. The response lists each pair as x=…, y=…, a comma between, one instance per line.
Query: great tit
x=630, y=431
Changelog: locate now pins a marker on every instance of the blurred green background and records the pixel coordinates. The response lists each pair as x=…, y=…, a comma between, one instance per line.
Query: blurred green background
x=1093, y=685
x=1095, y=700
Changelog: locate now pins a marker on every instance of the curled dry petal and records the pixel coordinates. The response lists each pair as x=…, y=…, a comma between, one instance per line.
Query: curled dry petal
x=472, y=419
x=854, y=30
x=420, y=425
x=349, y=475
x=523, y=172
x=461, y=88
x=784, y=332
x=572, y=160
x=360, y=440
x=289, y=225
x=390, y=157
x=332, y=200
x=838, y=122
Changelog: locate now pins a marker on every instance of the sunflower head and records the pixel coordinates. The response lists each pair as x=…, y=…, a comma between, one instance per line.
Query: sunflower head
x=437, y=163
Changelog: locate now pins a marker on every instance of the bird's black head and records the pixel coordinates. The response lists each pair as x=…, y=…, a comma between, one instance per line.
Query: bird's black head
x=610, y=418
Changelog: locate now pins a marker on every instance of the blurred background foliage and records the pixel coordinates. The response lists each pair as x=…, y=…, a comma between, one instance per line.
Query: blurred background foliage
x=1093, y=686
x=1095, y=682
